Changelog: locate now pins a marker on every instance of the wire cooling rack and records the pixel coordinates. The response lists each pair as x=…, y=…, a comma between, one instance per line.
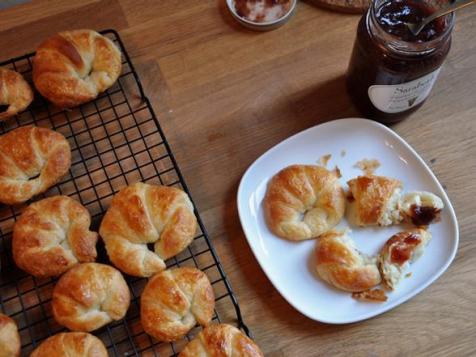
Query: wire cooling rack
x=116, y=140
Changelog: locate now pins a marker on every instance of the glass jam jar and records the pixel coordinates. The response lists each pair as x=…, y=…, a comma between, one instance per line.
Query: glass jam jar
x=391, y=71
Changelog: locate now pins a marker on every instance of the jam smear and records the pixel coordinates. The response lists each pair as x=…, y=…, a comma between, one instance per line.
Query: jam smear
x=423, y=216
x=394, y=15
x=402, y=250
x=3, y=108
x=350, y=197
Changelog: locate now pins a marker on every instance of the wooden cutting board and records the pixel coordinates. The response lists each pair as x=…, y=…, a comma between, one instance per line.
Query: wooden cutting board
x=353, y=6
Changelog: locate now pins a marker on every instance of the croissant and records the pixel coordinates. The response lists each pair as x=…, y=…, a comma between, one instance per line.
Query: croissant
x=71, y=344
x=303, y=202
x=221, y=340
x=15, y=93
x=52, y=235
x=142, y=214
x=374, y=200
x=398, y=252
x=174, y=300
x=89, y=296
x=340, y=264
x=378, y=200
x=73, y=67
x=9, y=338
x=32, y=159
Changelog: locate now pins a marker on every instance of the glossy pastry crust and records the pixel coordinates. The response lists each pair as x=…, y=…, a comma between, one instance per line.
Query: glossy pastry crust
x=340, y=264
x=143, y=214
x=15, y=93
x=73, y=67
x=89, y=296
x=32, y=159
x=71, y=344
x=374, y=200
x=52, y=235
x=221, y=340
x=303, y=202
x=9, y=338
x=174, y=300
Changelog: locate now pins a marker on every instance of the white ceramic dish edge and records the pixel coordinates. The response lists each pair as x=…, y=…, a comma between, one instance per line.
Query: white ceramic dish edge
x=396, y=302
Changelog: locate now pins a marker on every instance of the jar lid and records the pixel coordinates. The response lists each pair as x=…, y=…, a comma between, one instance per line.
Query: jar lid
x=261, y=17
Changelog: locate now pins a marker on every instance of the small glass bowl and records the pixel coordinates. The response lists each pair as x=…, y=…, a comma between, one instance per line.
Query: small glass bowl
x=261, y=26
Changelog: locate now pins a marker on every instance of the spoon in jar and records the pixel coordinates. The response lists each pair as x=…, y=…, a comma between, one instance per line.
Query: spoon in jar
x=416, y=28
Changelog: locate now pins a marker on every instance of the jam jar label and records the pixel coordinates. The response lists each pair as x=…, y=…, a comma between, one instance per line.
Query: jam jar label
x=401, y=97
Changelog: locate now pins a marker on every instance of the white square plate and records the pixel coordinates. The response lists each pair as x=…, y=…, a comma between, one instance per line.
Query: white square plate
x=289, y=265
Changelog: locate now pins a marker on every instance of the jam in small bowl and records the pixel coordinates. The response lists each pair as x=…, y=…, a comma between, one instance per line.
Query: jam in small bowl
x=261, y=14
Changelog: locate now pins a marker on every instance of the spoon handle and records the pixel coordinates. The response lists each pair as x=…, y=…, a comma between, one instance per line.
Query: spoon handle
x=454, y=6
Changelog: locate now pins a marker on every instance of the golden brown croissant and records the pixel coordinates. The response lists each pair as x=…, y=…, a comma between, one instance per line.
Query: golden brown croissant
x=303, y=202
x=9, y=338
x=378, y=200
x=141, y=214
x=15, y=93
x=174, y=300
x=89, y=296
x=398, y=252
x=340, y=264
x=221, y=340
x=52, y=235
x=71, y=344
x=374, y=200
x=73, y=67
x=32, y=159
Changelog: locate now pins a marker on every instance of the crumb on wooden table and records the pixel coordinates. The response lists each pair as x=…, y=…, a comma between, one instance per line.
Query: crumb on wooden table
x=368, y=166
x=376, y=295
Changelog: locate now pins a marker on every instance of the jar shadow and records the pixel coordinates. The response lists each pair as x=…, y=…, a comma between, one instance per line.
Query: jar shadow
x=324, y=102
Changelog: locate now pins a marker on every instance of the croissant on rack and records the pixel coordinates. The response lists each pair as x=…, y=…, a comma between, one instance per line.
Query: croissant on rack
x=174, y=300
x=32, y=159
x=15, y=93
x=71, y=344
x=52, y=235
x=9, y=338
x=221, y=340
x=142, y=214
x=89, y=296
x=73, y=67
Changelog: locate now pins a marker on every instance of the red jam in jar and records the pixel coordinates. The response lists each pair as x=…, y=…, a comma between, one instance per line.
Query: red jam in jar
x=392, y=71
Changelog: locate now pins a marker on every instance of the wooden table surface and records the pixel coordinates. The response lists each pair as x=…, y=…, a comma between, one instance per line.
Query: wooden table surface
x=225, y=95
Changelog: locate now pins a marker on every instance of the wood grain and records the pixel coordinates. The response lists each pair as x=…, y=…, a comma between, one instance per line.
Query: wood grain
x=351, y=6
x=225, y=94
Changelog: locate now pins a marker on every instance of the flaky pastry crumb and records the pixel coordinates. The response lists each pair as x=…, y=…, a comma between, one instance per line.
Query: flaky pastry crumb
x=376, y=295
x=368, y=166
